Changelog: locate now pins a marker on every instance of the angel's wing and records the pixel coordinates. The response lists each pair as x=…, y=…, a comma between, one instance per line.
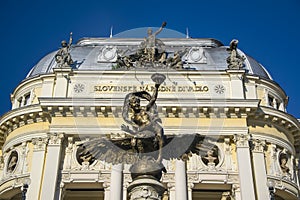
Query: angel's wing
x=181, y=146
x=113, y=151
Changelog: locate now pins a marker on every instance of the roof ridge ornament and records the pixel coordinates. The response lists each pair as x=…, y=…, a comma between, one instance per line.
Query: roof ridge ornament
x=63, y=56
x=235, y=60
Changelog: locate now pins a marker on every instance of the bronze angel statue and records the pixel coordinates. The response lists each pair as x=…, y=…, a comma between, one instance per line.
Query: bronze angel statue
x=145, y=139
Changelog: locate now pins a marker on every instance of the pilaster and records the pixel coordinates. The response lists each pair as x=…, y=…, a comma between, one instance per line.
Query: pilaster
x=51, y=166
x=244, y=167
x=171, y=190
x=260, y=172
x=190, y=191
x=36, y=173
x=180, y=180
x=106, y=186
x=237, y=83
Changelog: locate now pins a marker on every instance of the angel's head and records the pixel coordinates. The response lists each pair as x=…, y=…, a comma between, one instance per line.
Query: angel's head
x=134, y=102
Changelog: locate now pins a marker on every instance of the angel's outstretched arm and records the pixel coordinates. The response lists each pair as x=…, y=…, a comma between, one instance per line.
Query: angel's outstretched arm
x=153, y=98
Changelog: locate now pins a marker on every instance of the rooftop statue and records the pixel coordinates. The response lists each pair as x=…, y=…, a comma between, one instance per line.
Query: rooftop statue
x=151, y=44
x=235, y=60
x=151, y=54
x=63, y=57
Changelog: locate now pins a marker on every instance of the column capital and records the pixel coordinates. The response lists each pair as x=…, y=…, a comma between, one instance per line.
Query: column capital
x=191, y=185
x=106, y=185
x=55, y=138
x=39, y=144
x=171, y=186
x=258, y=146
x=242, y=140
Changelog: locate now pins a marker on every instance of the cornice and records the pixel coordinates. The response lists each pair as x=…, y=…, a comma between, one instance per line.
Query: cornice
x=279, y=118
x=19, y=117
x=29, y=80
x=267, y=82
x=182, y=108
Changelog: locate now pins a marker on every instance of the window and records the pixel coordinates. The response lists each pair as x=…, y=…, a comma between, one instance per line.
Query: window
x=83, y=194
x=27, y=99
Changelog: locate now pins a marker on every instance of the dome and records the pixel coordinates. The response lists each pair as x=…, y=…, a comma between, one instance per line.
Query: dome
x=101, y=53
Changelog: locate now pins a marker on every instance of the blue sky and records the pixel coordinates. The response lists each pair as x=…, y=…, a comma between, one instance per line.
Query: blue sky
x=267, y=30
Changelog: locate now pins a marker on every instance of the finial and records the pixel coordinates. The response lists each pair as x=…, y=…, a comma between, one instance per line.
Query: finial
x=70, y=39
x=187, y=32
x=111, y=32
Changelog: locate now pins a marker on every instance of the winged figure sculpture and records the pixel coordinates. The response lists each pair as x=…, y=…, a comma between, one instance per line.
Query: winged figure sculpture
x=143, y=136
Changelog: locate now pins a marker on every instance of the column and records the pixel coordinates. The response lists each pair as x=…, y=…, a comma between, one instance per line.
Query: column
x=244, y=167
x=49, y=185
x=190, y=191
x=236, y=191
x=106, y=186
x=180, y=180
x=171, y=190
x=116, y=182
x=37, y=165
x=260, y=172
x=61, y=191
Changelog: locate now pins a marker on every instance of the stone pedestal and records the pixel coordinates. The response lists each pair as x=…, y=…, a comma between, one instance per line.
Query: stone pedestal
x=146, y=185
x=146, y=188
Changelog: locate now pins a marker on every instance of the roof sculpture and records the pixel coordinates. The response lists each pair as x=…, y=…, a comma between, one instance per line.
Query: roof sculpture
x=104, y=54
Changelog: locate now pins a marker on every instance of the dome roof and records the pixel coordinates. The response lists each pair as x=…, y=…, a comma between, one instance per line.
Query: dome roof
x=100, y=54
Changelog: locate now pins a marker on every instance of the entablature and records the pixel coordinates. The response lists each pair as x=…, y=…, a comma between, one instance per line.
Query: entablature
x=231, y=108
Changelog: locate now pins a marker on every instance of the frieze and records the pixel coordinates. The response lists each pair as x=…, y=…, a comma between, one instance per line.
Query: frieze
x=148, y=88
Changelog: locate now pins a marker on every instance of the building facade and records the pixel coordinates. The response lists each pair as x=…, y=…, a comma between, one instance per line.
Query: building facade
x=210, y=89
